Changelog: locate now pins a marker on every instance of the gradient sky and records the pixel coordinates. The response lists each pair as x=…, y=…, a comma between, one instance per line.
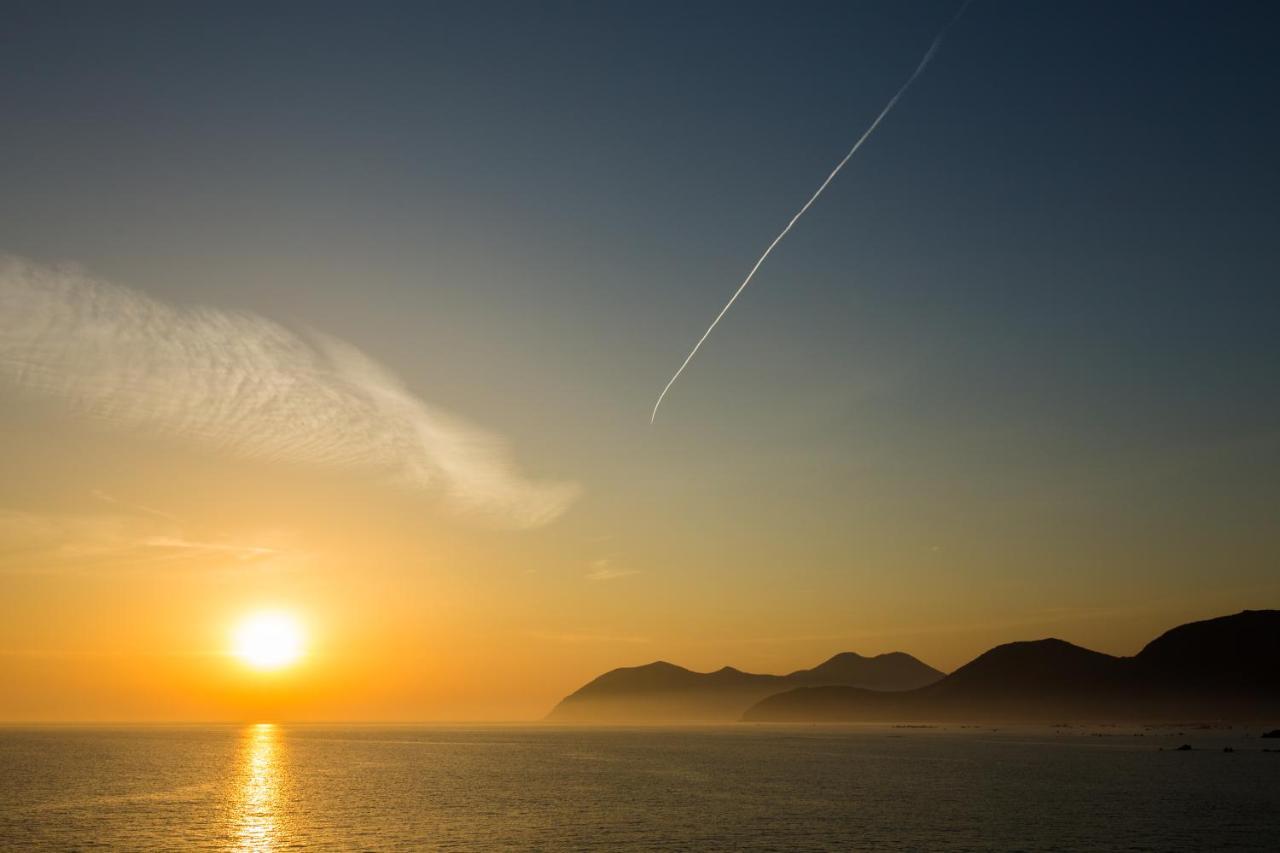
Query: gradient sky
x=1014, y=375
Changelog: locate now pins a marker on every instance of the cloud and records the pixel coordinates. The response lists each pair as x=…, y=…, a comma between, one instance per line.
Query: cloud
x=586, y=637
x=137, y=508
x=178, y=543
x=603, y=570
x=57, y=542
x=246, y=385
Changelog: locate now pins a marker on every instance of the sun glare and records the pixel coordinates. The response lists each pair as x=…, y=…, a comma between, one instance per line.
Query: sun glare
x=268, y=640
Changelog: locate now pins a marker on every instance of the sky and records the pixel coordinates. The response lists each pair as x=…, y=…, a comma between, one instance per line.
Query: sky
x=359, y=312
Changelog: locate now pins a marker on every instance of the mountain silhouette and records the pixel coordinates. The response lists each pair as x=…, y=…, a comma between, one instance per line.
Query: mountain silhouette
x=1223, y=668
x=1230, y=651
x=664, y=692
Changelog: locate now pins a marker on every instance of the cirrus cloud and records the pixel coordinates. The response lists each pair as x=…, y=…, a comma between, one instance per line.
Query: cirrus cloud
x=246, y=385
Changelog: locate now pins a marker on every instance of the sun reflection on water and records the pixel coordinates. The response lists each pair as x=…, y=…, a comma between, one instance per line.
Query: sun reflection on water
x=259, y=789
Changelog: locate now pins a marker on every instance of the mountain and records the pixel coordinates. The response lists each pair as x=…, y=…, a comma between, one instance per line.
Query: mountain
x=892, y=671
x=1224, y=668
x=1243, y=649
x=664, y=692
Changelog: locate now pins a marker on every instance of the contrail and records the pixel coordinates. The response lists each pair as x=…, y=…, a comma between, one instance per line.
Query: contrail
x=933, y=48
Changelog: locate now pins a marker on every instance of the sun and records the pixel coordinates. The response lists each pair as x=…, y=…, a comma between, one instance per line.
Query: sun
x=270, y=639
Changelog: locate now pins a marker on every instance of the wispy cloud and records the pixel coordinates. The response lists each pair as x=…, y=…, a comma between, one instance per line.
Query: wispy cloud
x=604, y=570
x=244, y=384
x=178, y=543
x=147, y=510
x=587, y=637
x=57, y=542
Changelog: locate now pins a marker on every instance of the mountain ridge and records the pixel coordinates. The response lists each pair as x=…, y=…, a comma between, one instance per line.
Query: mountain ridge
x=1225, y=667
x=661, y=691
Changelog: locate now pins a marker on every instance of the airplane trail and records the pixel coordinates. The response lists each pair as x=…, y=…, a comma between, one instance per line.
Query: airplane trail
x=924, y=62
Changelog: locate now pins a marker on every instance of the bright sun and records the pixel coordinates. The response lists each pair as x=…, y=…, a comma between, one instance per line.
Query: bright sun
x=268, y=640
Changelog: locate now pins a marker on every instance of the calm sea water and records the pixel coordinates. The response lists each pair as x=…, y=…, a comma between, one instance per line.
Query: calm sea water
x=732, y=788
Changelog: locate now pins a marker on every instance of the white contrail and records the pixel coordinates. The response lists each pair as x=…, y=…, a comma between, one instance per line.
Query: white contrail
x=933, y=48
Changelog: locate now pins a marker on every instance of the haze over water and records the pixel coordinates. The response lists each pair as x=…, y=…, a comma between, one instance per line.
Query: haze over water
x=273, y=787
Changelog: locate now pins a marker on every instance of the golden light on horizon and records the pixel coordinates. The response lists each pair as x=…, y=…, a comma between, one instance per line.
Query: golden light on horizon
x=269, y=639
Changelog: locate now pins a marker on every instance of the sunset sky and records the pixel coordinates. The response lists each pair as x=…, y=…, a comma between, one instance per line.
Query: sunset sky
x=359, y=314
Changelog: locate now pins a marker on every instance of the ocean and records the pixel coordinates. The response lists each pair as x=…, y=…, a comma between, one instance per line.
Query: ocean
x=744, y=787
